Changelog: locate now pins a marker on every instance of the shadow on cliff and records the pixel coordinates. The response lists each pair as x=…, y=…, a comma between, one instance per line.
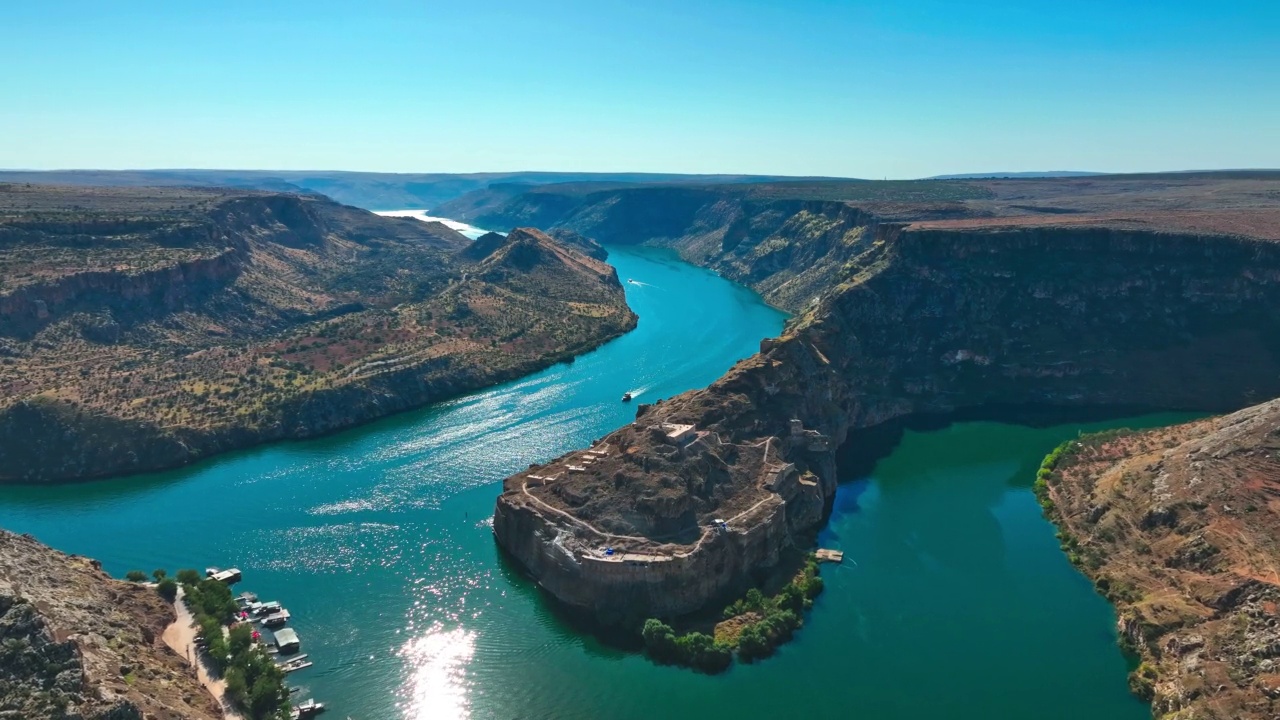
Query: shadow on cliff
x=613, y=642
x=620, y=640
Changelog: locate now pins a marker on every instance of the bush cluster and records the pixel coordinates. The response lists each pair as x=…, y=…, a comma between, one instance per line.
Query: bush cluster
x=696, y=650
x=780, y=617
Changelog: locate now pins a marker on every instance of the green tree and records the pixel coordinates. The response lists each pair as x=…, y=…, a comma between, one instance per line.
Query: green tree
x=159, y=574
x=659, y=640
x=135, y=576
x=237, y=688
x=168, y=589
x=267, y=697
x=189, y=577
x=240, y=639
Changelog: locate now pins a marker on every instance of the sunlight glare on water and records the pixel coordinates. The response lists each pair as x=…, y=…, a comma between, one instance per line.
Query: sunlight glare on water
x=437, y=662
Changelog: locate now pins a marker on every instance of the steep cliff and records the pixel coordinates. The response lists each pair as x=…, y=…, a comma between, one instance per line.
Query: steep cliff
x=791, y=241
x=78, y=644
x=919, y=319
x=1178, y=528
x=141, y=329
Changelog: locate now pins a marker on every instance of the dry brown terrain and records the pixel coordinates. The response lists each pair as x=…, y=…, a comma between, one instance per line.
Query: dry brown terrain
x=1180, y=528
x=141, y=328
x=78, y=644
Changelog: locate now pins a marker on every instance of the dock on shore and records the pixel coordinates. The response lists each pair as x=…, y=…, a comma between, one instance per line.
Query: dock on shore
x=825, y=555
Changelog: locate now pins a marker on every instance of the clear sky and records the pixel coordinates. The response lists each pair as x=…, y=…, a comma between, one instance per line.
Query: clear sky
x=861, y=88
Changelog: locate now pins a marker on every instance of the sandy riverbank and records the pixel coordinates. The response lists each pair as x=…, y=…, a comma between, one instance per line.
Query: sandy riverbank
x=181, y=637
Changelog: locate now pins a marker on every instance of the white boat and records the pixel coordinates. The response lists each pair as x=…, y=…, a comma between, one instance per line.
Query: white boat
x=306, y=709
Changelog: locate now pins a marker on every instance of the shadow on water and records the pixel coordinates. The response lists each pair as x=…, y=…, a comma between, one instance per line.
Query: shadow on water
x=865, y=447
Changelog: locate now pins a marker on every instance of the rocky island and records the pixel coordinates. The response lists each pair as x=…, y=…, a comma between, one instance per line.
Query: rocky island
x=1115, y=294
x=144, y=328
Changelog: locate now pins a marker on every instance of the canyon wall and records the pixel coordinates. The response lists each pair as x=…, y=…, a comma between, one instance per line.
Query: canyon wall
x=918, y=321
x=142, y=329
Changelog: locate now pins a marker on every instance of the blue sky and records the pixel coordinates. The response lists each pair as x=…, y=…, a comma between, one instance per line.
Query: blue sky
x=805, y=87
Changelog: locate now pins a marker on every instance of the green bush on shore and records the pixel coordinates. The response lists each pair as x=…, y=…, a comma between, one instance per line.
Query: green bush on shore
x=779, y=618
x=135, y=576
x=696, y=650
x=189, y=577
x=168, y=589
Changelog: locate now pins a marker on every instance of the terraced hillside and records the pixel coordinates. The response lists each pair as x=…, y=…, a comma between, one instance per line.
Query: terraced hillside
x=143, y=328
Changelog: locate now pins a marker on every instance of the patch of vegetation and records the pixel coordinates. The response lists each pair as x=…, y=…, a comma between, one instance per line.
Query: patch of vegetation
x=135, y=576
x=763, y=623
x=255, y=684
x=168, y=589
x=1142, y=682
x=696, y=650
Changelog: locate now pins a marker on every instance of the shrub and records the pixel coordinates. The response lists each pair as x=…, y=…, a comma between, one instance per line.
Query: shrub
x=240, y=640
x=189, y=577
x=135, y=576
x=696, y=650
x=159, y=574
x=168, y=589
x=659, y=640
x=1142, y=682
x=212, y=598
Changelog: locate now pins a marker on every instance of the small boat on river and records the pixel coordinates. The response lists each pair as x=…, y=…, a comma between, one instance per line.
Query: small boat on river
x=306, y=709
x=626, y=397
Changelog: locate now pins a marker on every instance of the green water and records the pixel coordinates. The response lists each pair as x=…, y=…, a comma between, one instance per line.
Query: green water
x=953, y=601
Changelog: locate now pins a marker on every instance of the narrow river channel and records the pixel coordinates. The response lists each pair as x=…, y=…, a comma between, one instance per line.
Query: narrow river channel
x=953, y=600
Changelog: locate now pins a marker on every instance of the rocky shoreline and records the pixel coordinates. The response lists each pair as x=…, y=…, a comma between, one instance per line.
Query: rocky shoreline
x=1177, y=528
x=81, y=644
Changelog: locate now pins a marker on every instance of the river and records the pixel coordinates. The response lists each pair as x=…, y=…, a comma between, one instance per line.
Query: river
x=953, y=600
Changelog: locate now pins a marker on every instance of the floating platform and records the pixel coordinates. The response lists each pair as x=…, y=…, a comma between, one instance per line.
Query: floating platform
x=825, y=555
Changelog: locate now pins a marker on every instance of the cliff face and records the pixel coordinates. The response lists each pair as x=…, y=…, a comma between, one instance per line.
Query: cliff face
x=78, y=644
x=143, y=329
x=792, y=240
x=921, y=320
x=1178, y=528
x=789, y=250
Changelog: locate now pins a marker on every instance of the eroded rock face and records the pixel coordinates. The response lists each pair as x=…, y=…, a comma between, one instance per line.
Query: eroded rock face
x=74, y=643
x=923, y=321
x=1179, y=527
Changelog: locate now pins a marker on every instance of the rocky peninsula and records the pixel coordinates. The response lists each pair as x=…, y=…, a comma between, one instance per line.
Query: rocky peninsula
x=984, y=297
x=144, y=328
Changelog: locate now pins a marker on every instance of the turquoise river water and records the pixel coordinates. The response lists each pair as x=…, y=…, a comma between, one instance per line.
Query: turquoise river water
x=953, y=601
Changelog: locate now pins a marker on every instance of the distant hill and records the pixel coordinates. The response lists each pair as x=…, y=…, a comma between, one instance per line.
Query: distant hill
x=369, y=190
x=1031, y=174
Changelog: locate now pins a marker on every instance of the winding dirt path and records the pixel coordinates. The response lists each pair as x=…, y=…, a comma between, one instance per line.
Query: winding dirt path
x=180, y=636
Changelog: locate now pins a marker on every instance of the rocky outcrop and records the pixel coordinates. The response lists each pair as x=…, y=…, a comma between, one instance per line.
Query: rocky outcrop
x=128, y=296
x=75, y=643
x=1179, y=527
x=921, y=321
